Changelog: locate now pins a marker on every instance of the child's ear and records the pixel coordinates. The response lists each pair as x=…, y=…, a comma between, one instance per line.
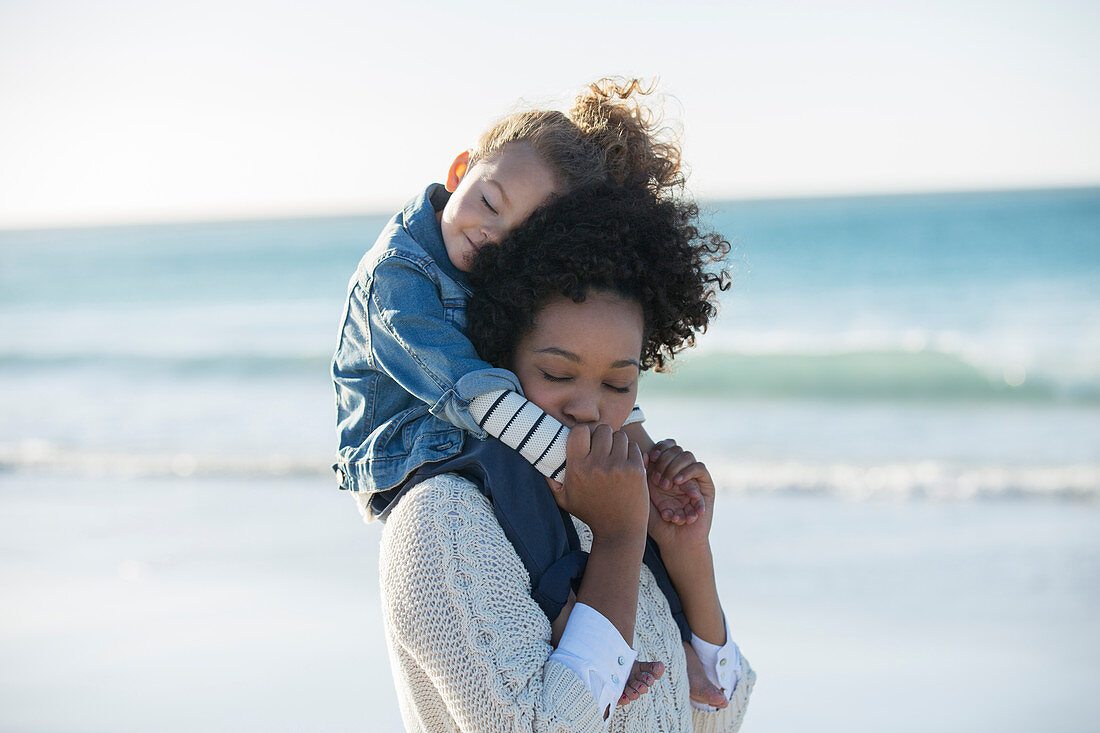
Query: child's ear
x=457, y=170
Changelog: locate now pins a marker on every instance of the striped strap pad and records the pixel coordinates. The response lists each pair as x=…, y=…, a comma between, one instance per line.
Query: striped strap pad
x=521, y=425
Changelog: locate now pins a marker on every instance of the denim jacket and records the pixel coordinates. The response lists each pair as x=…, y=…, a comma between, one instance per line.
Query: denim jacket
x=404, y=370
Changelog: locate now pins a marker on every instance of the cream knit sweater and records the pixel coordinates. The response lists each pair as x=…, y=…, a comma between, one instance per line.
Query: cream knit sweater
x=470, y=649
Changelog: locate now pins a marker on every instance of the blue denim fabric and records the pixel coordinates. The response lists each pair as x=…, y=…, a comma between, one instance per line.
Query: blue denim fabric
x=404, y=370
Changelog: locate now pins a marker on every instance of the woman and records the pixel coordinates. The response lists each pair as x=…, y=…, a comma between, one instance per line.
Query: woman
x=588, y=293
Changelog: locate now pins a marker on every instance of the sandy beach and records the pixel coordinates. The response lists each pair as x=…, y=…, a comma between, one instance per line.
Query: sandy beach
x=182, y=605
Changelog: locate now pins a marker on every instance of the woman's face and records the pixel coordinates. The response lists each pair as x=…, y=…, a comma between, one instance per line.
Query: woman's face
x=580, y=361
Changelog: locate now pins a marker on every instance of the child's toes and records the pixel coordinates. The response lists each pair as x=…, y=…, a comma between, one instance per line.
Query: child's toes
x=647, y=672
x=710, y=695
x=642, y=677
x=654, y=669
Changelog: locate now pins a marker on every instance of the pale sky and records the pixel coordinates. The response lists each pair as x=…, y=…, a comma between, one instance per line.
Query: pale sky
x=170, y=110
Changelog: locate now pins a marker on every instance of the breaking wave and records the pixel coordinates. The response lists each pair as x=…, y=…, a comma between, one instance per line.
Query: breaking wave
x=921, y=480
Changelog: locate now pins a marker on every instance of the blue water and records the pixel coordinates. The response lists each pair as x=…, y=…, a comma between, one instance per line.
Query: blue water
x=933, y=345
x=169, y=526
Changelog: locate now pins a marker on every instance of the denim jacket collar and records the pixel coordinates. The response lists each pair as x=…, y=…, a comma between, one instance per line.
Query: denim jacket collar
x=420, y=221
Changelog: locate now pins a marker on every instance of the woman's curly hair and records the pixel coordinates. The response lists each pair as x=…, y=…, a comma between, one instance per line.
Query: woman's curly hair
x=626, y=240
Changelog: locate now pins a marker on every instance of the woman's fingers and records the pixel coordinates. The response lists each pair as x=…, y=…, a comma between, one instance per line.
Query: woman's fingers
x=598, y=443
x=619, y=445
x=604, y=481
x=579, y=443
x=602, y=438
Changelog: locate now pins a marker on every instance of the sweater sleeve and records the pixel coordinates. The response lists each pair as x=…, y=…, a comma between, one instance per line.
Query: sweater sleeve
x=592, y=647
x=467, y=641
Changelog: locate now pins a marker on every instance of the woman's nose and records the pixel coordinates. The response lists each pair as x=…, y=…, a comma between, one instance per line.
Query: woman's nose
x=583, y=408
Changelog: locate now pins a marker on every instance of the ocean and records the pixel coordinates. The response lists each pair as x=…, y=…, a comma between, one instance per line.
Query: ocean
x=900, y=401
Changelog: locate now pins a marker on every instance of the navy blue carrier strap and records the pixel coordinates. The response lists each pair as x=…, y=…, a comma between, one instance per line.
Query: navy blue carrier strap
x=541, y=532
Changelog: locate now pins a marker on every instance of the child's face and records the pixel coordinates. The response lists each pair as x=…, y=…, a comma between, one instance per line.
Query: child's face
x=493, y=198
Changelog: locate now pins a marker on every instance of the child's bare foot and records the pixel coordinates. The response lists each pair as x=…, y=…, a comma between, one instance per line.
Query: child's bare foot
x=702, y=689
x=642, y=677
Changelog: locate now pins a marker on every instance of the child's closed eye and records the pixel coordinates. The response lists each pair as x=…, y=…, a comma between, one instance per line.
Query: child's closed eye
x=487, y=204
x=553, y=378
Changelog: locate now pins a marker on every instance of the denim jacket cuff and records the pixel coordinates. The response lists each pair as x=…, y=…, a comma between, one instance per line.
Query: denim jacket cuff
x=454, y=405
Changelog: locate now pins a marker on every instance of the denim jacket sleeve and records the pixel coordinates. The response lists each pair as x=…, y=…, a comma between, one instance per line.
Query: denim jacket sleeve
x=421, y=344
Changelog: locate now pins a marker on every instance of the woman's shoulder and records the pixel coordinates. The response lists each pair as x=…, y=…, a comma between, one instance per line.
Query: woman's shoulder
x=445, y=492
x=441, y=510
x=442, y=544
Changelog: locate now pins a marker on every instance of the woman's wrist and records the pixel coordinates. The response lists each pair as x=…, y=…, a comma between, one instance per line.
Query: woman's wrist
x=626, y=542
x=622, y=529
x=610, y=582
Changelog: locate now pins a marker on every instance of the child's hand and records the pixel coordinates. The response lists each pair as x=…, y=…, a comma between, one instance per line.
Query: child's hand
x=685, y=536
x=673, y=490
x=702, y=689
x=642, y=677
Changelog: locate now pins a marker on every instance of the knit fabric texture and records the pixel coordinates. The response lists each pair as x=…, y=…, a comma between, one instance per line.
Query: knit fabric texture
x=470, y=649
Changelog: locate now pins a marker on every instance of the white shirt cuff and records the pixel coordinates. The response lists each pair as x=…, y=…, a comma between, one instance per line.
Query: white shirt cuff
x=722, y=665
x=592, y=647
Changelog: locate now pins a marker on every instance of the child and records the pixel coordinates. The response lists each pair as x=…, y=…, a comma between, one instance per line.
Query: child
x=409, y=384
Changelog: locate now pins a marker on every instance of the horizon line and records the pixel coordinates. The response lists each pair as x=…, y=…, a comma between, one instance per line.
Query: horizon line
x=256, y=216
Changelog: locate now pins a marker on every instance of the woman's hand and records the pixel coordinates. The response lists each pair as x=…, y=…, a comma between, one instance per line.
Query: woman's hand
x=682, y=469
x=605, y=488
x=605, y=483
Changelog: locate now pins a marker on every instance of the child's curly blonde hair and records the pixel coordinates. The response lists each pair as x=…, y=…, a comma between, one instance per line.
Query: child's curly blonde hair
x=607, y=136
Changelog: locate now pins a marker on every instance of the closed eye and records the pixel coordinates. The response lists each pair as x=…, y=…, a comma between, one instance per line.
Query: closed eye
x=551, y=378
x=487, y=204
x=622, y=390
